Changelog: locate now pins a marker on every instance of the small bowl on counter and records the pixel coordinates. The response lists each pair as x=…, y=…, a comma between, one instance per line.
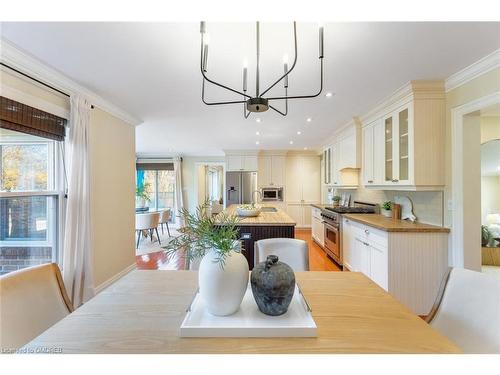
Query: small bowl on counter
x=248, y=210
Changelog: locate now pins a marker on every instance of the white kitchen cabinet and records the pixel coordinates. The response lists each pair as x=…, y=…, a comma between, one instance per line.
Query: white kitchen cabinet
x=272, y=171
x=409, y=265
x=403, y=140
x=241, y=163
x=317, y=226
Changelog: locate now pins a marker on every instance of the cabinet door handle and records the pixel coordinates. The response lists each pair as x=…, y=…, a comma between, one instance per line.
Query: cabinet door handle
x=367, y=231
x=370, y=182
x=395, y=180
x=366, y=244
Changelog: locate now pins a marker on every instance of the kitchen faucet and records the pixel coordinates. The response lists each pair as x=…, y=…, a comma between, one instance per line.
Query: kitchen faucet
x=253, y=196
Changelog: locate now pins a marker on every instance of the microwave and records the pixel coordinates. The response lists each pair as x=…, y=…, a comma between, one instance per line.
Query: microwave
x=272, y=194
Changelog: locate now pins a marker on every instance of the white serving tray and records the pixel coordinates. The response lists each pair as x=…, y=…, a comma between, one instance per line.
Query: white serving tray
x=249, y=321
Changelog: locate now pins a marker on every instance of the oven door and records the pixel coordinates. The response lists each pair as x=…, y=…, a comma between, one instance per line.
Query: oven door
x=332, y=242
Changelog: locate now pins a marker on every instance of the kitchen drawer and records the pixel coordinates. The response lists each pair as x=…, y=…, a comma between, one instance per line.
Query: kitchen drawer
x=370, y=234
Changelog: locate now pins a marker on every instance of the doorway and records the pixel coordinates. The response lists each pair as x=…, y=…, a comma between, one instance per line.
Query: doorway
x=467, y=140
x=210, y=184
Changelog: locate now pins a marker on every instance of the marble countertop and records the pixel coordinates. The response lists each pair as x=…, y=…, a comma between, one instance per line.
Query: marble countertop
x=278, y=218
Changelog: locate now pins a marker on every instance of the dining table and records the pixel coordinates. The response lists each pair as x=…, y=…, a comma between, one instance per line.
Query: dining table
x=143, y=311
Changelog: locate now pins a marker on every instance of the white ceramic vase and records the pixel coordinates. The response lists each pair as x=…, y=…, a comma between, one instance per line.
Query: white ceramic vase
x=222, y=289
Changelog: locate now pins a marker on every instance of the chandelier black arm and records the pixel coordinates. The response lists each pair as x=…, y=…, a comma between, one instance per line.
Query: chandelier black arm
x=213, y=82
x=245, y=111
x=216, y=103
x=303, y=96
x=293, y=65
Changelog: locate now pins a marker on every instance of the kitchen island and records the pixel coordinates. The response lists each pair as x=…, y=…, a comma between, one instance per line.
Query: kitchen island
x=269, y=224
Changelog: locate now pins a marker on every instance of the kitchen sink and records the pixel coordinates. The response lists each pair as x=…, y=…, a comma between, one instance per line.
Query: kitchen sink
x=269, y=209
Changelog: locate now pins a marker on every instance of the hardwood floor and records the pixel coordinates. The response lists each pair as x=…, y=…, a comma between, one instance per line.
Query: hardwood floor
x=318, y=261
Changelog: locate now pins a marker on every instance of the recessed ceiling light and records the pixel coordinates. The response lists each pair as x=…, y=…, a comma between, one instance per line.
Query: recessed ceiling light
x=305, y=148
x=498, y=168
x=329, y=94
x=309, y=119
x=257, y=142
x=291, y=142
x=299, y=132
x=258, y=119
x=257, y=133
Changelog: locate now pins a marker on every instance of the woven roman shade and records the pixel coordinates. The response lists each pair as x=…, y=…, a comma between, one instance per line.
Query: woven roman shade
x=25, y=119
x=144, y=166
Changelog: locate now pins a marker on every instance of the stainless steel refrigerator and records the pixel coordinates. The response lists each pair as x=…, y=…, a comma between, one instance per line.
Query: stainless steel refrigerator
x=240, y=187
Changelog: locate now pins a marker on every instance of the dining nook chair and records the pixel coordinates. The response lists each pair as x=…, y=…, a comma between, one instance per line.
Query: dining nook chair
x=32, y=300
x=291, y=251
x=147, y=222
x=165, y=216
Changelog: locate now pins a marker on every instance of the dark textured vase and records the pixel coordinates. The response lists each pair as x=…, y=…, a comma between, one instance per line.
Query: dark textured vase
x=273, y=284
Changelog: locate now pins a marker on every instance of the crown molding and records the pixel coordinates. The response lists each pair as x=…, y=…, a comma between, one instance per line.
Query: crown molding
x=482, y=66
x=11, y=55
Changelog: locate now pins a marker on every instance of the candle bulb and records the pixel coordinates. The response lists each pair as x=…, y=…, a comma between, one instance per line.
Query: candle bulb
x=285, y=70
x=205, y=57
x=244, y=79
x=321, y=41
x=203, y=28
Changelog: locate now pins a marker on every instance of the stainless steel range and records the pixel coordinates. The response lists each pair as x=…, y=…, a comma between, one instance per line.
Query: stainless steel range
x=332, y=220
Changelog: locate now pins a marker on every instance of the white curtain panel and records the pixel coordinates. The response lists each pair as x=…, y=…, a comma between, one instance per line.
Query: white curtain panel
x=178, y=189
x=77, y=272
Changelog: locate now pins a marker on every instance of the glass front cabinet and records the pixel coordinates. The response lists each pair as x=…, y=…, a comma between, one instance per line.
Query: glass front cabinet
x=398, y=139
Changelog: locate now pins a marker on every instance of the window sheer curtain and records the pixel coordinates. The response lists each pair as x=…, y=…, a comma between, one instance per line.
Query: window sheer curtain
x=179, y=203
x=77, y=271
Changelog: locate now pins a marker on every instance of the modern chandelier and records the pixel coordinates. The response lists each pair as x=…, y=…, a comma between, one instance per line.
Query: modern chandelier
x=257, y=102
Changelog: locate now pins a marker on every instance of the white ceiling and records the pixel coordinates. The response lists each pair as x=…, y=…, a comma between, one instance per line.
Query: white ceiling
x=151, y=70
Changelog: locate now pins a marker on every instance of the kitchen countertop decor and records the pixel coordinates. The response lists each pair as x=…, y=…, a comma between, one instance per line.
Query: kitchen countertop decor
x=279, y=218
x=394, y=225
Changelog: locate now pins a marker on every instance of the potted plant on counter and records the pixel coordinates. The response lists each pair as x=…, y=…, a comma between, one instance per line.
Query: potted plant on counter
x=336, y=200
x=386, y=209
x=223, y=271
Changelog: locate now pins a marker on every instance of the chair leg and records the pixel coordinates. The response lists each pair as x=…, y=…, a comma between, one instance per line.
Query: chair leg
x=156, y=229
x=151, y=234
x=138, y=238
x=161, y=224
x=168, y=229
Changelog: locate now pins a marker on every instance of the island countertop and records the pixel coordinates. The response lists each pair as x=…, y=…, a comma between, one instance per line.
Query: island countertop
x=278, y=218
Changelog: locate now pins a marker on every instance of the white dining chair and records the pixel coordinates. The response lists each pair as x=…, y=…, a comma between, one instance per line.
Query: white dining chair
x=291, y=251
x=164, y=219
x=467, y=311
x=147, y=222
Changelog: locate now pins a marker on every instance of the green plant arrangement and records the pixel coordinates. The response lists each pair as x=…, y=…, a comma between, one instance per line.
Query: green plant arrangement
x=202, y=233
x=143, y=191
x=486, y=236
x=387, y=205
x=336, y=198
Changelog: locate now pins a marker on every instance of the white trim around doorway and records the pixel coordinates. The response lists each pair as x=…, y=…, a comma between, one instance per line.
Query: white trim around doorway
x=458, y=214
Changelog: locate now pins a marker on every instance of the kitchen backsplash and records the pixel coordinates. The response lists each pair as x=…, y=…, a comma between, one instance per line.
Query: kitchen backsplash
x=427, y=205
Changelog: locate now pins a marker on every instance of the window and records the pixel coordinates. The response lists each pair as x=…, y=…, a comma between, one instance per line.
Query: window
x=159, y=186
x=30, y=201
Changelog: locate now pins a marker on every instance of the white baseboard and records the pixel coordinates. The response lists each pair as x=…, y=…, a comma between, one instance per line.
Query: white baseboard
x=114, y=278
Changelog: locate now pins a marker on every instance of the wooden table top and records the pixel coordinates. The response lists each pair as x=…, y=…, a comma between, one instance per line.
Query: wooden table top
x=394, y=225
x=279, y=218
x=142, y=313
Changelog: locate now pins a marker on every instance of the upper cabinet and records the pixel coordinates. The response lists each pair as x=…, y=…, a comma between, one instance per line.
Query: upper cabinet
x=341, y=161
x=302, y=179
x=272, y=170
x=241, y=163
x=403, y=140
